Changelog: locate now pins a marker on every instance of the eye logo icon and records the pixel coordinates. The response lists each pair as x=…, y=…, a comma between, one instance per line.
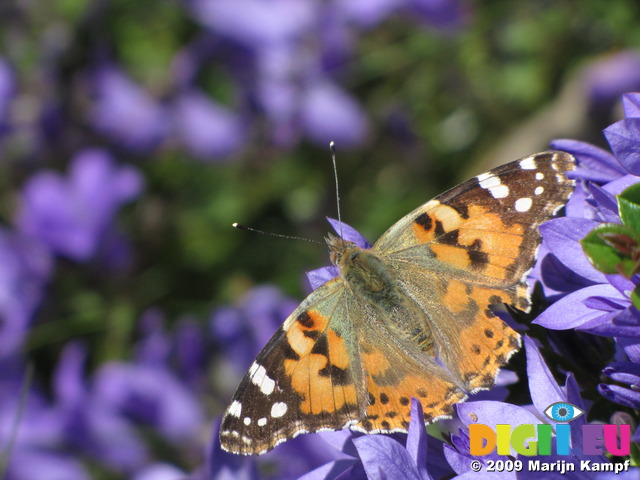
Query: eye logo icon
x=563, y=412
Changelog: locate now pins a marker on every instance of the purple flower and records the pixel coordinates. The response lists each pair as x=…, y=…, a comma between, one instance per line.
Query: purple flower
x=150, y=396
x=125, y=112
x=585, y=298
x=608, y=78
x=624, y=136
x=92, y=426
x=208, y=130
x=256, y=23
x=31, y=431
x=443, y=14
x=30, y=464
x=241, y=331
x=544, y=391
x=623, y=372
x=74, y=215
x=160, y=471
x=286, y=79
x=329, y=114
x=25, y=268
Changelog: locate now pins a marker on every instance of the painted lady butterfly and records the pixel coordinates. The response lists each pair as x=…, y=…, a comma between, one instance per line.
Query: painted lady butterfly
x=360, y=346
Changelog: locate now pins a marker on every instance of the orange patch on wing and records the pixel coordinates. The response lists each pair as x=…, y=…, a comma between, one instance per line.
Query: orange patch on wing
x=318, y=392
x=423, y=228
x=390, y=406
x=501, y=242
x=375, y=362
x=317, y=389
x=455, y=298
x=456, y=256
x=424, y=225
x=301, y=343
x=488, y=296
x=487, y=345
x=338, y=354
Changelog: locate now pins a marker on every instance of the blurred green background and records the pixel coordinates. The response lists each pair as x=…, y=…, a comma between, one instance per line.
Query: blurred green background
x=442, y=106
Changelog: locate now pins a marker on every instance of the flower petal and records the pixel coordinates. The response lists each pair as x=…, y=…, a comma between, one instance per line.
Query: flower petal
x=631, y=105
x=347, y=232
x=571, y=311
x=492, y=413
x=624, y=139
x=594, y=163
x=322, y=275
x=417, y=438
x=562, y=236
x=620, y=395
x=543, y=388
x=385, y=458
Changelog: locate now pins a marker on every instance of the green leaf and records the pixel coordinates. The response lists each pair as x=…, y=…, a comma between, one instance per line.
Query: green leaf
x=629, y=206
x=611, y=247
x=635, y=297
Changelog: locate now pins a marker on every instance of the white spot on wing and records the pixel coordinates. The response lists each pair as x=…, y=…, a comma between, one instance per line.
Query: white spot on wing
x=494, y=185
x=278, y=409
x=523, y=204
x=235, y=409
x=260, y=379
x=538, y=190
x=247, y=421
x=539, y=175
x=528, y=163
x=262, y=422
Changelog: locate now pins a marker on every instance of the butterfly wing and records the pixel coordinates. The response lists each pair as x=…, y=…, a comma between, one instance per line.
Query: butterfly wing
x=395, y=370
x=307, y=378
x=471, y=247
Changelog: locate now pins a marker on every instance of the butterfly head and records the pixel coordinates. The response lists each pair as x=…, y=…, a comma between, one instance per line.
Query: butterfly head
x=341, y=252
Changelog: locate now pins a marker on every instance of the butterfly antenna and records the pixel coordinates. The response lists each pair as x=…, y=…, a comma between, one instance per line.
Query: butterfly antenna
x=332, y=147
x=239, y=226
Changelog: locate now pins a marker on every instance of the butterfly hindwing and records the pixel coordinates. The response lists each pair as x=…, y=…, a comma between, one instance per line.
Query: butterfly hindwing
x=395, y=373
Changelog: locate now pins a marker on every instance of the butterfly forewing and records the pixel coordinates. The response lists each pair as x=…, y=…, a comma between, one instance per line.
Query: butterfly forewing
x=306, y=379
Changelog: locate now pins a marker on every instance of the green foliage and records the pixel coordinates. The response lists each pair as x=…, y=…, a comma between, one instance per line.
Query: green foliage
x=615, y=248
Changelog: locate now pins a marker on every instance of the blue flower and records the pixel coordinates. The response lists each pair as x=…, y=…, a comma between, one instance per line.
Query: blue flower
x=74, y=216
x=25, y=268
x=207, y=130
x=125, y=112
x=544, y=391
x=585, y=298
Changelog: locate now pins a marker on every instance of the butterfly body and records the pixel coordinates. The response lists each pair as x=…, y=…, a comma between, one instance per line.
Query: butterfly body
x=409, y=317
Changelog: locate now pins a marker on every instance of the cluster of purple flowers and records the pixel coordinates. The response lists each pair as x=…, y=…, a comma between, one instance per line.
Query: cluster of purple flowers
x=588, y=300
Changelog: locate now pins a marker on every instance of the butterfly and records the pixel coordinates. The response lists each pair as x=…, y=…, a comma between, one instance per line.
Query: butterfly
x=409, y=317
